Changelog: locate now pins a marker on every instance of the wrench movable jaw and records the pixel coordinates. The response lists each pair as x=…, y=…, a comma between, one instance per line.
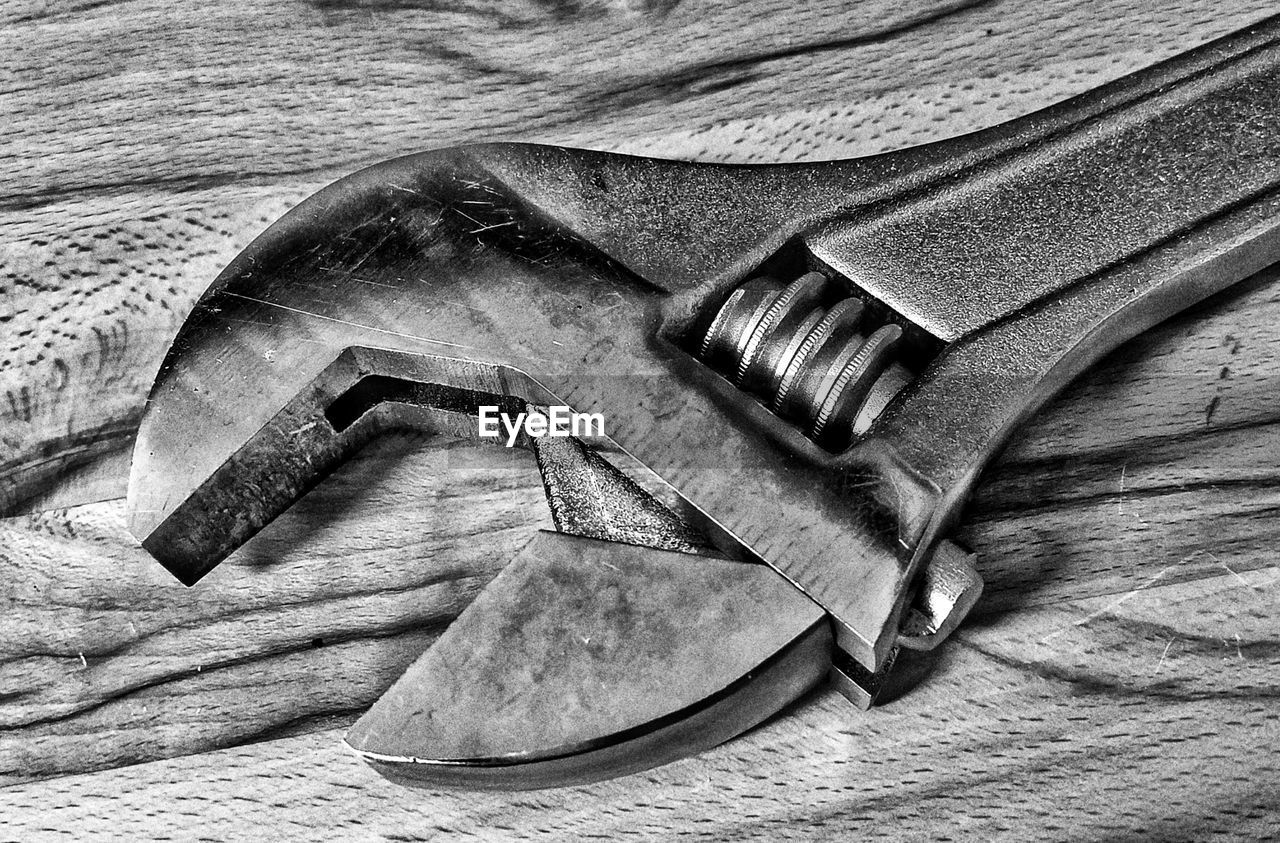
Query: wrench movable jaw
x=587, y=659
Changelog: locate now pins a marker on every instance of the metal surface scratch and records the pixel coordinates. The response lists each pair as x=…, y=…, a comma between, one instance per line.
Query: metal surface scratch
x=302, y=312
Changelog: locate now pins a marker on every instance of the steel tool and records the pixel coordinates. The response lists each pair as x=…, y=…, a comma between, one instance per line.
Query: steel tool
x=814, y=361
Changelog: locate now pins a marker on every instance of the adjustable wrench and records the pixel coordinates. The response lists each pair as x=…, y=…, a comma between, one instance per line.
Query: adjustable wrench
x=815, y=360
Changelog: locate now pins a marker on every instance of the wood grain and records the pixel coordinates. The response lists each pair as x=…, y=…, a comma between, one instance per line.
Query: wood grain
x=1119, y=679
x=1097, y=719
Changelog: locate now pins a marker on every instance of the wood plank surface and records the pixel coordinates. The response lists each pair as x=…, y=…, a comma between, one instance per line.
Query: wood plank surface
x=1119, y=678
x=1151, y=717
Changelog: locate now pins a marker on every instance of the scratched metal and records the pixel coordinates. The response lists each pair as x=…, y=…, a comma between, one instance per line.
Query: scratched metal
x=587, y=659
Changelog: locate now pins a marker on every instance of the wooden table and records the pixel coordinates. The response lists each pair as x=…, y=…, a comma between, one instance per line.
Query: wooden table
x=1119, y=678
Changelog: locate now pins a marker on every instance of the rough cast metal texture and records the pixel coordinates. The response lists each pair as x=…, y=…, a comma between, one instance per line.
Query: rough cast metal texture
x=583, y=276
x=589, y=497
